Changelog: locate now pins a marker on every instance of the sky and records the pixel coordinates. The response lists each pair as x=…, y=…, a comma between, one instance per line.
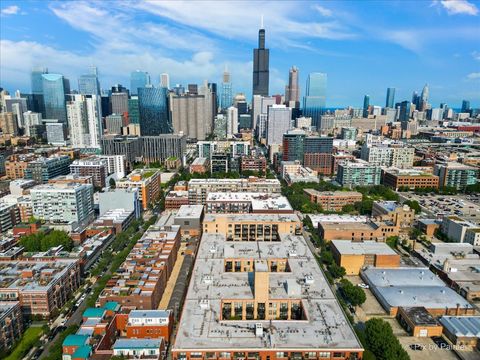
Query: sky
x=363, y=46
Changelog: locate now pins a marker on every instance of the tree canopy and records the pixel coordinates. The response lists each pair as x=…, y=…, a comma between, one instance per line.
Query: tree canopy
x=42, y=241
x=353, y=294
x=382, y=342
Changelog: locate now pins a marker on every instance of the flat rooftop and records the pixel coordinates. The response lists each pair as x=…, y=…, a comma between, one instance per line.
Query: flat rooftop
x=325, y=326
x=339, y=219
x=420, y=316
x=253, y=217
x=347, y=247
x=332, y=193
x=258, y=201
x=190, y=211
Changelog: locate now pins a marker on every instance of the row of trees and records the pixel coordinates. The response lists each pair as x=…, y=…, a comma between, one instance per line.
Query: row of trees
x=42, y=241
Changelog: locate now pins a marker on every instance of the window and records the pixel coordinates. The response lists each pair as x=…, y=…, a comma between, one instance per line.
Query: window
x=281, y=354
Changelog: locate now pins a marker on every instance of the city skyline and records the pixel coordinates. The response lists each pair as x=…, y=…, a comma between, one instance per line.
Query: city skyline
x=436, y=46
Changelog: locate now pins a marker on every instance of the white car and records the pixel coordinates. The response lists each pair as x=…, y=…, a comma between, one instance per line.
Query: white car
x=363, y=286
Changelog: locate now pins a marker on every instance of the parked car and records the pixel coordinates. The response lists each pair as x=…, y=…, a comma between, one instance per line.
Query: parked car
x=363, y=286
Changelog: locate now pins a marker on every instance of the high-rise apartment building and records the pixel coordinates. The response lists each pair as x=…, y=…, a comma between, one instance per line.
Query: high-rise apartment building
x=95, y=167
x=114, y=123
x=314, y=101
x=70, y=203
x=54, y=91
x=138, y=79
x=153, y=110
x=261, y=66
x=162, y=147
x=44, y=169
x=424, y=98
x=8, y=123
x=129, y=146
x=119, y=102
x=133, y=110
x=293, y=143
x=31, y=119
x=278, y=123
x=390, y=101
x=84, y=115
x=366, y=105
x=189, y=115
x=232, y=121
x=359, y=173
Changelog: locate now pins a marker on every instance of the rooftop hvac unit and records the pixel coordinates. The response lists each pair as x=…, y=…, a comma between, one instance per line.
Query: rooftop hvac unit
x=258, y=330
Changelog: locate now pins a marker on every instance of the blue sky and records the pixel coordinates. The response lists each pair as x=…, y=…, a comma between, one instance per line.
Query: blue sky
x=363, y=46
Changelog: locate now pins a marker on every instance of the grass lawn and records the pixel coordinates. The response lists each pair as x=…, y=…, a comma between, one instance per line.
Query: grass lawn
x=28, y=340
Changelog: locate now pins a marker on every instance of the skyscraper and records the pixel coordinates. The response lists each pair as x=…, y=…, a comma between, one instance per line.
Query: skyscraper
x=424, y=98
x=165, y=81
x=315, y=96
x=405, y=107
x=366, y=104
x=37, y=88
x=226, y=90
x=54, y=97
x=88, y=84
x=153, y=109
x=390, y=98
x=260, y=65
x=279, y=121
x=138, y=79
x=465, y=106
x=292, y=94
x=232, y=121
x=119, y=102
x=85, y=120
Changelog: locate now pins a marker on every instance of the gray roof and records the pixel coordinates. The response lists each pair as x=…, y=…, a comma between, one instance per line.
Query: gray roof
x=401, y=277
x=360, y=248
x=200, y=328
x=462, y=326
x=149, y=314
x=137, y=343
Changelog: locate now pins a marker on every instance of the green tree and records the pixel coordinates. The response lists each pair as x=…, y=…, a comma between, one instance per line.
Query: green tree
x=381, y=341
x=112, y=183
x=353, y=294
x=392, y=241
x=414, y=205
x=42, y=241
x=336, y=271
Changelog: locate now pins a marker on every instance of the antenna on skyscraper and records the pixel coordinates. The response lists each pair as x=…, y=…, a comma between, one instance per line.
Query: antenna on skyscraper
x=261, y=22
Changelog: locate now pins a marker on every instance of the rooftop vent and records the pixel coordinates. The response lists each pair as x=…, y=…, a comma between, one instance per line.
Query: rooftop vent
x=309, y=280
x=258, y=330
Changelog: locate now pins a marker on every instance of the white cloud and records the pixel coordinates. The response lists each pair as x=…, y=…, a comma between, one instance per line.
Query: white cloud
x=322, y=10
x=10, y=10
x=473, y=76
x=476, y=55
x=455, y=7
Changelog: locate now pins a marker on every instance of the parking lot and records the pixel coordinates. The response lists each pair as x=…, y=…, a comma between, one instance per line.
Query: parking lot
x=437, y=206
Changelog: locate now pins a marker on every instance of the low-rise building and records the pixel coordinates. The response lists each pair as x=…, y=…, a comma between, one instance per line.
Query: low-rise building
x=147, y=181
x=189, y=218
x=455, y=227
x=139, y=348
x=252, y=227
x=71, y=178
x=400, y=215
x=119, y=219
x=127, y=199
x=41, y=286
x=428, y=226
x=254, y=163
x=354, y=255
x=462, y=330
x=11, y=321
x=413, y=287
x=44, y=169
x=247, y=202
x=333, y=200
x=151, y=324
x=412, y=178
x=472, y=236
x=419, y=322
x=200, y=165
x=175, y=199
x=456, y=175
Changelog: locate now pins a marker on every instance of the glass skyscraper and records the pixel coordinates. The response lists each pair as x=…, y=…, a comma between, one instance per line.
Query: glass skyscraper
x=37, y=89
x=88, y=84
x=366, y=104
x=314, y=100
x=261, y=73
x=138, y=79
x=54, y=97
x=390, y=98
x=226, y=90
x=153, y=110
x=133, y=112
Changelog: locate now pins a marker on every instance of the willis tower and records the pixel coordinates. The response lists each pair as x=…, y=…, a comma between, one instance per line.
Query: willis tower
x=260, y=65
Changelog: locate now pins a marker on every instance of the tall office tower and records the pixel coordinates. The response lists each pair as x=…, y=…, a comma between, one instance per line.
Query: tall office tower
x=390, y=98
x=88, y=84
x=215, y=97
x=260, y=65
x=37, y=89
x=18, y=106
x=85, y=121
x=465, y=106
x=232, y=121
x=192, y=89
x=292, y=95
x=133, y=112
x=405, y=107
x=424, y=98
x=315, y=96
x=165, y=81
x=119, y=88
x=54, y=97
x=278, y=123
x=210, y=105
x=366, y=104
x=240, y=102
x=119, y=101
x=256, y=109
x=416, y=100
x=226, y=90
x=153, y=110
x=31, y=119
x=179, y=89
x=138, y=79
